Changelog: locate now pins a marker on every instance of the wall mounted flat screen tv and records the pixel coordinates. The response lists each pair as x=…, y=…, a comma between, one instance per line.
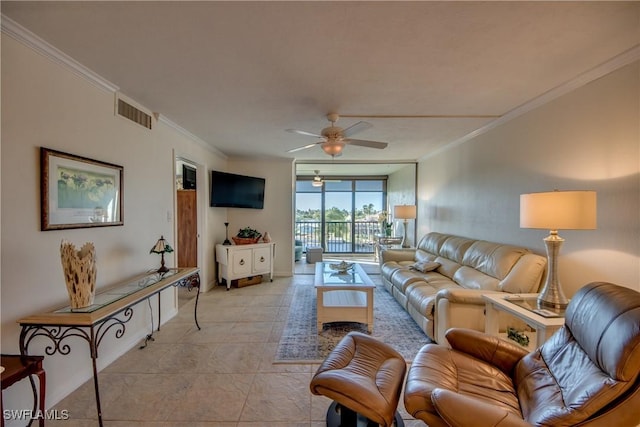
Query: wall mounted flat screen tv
x=229, y=190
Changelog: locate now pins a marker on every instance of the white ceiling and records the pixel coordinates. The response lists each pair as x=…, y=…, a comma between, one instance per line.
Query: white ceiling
x=237, y=74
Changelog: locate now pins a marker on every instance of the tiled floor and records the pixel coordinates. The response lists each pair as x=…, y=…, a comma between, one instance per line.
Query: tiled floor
x=223, y=375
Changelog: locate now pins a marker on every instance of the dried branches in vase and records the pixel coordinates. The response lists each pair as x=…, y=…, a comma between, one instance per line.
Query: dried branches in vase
x=79, y=268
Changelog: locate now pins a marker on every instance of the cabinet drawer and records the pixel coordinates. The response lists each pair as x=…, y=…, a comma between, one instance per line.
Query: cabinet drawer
x=261, y=259
x=241, y=262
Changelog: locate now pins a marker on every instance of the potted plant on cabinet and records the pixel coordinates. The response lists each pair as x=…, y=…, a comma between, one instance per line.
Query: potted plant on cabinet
x=247, y=236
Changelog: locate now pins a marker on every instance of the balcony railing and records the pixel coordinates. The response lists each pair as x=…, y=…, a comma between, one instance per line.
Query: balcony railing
x=338, y=236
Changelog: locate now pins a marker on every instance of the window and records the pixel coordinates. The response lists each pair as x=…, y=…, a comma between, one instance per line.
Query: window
x=342, y=215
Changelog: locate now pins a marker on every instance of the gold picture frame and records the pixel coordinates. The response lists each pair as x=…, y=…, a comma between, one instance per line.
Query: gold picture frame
x=78, y=192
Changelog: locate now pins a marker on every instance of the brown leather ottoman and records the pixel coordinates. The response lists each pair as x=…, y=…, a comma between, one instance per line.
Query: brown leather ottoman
x=364, y=378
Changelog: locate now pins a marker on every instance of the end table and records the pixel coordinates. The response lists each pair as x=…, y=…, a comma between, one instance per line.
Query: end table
x=523, y=307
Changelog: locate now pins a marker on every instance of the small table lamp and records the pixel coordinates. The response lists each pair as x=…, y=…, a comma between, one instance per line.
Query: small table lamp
x=404, y=212
x=557, y=210
x=161, y=247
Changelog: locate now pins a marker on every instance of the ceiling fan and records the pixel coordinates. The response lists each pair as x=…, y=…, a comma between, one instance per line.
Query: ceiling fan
x=317, y=181
x=335, y=138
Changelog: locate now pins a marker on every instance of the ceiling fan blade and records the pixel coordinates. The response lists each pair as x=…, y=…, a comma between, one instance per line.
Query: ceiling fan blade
x=364, y=143
x=358, y=127
x=304, y=147
x=302, y=132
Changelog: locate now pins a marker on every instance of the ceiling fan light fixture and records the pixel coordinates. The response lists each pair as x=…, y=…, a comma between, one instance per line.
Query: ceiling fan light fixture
x=333, y=147
x=317, y=181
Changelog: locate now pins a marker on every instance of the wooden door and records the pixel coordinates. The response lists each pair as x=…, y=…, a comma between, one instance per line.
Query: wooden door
x=187, y=229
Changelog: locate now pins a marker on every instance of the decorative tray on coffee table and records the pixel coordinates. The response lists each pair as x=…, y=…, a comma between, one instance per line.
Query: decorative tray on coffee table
x=341, y=267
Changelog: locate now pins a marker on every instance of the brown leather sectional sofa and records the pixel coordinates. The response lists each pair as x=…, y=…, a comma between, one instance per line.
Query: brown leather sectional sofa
x=440, y=283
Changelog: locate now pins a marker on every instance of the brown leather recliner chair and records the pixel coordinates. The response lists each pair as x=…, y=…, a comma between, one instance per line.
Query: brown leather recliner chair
x=586, y=374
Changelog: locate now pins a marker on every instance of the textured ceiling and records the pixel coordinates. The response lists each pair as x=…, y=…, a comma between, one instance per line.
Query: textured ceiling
x=237, y=74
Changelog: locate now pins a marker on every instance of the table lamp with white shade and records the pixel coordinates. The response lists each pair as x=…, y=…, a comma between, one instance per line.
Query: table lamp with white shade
x=405, y=213
x=557, y=210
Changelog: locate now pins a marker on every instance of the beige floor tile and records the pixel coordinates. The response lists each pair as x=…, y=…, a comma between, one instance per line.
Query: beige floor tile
x=211, y=332
x=280, y=397
x=213, y=397
x=260, y=314
x=235, y=358
x=139, y=360
x=186, y=358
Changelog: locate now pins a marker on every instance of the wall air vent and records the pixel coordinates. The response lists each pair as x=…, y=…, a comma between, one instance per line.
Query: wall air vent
x=134, y=114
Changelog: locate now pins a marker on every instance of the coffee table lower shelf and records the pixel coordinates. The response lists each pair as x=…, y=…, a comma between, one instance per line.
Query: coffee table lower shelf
x=345, y=306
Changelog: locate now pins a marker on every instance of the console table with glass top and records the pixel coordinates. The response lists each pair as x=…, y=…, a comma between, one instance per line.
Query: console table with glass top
x=111, y=310
x=385, y=242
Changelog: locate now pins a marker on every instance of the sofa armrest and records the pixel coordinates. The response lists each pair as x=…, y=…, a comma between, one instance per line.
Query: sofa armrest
x=493, y=350
x=457, y=308
x=464, y=296
x=448, y=404
x=397, y=255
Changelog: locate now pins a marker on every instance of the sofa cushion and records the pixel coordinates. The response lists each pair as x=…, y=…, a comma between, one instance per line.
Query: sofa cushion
x=447, y=267
x=422, y=294
x=423, y=256
x=388, y=268
x=525, y=276
x=493, y=259
x=454, y=248
x=459, y=372
x=469, y=278
x=403, y=277
x=432, y=242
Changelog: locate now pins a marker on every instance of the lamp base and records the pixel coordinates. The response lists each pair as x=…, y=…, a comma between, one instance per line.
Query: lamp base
x=551, y=305
x=552, y=295
x=405, y=241
x=163, y=269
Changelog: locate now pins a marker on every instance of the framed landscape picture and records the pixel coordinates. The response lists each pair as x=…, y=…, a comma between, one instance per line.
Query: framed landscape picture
x=77, y=192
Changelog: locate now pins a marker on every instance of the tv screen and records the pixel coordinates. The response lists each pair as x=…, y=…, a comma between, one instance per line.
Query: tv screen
x=229, y=190
x=188, y=177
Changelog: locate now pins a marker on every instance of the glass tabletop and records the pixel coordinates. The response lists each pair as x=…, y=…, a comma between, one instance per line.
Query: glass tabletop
x=115, y=293
x=532, y=305
x=332, y=276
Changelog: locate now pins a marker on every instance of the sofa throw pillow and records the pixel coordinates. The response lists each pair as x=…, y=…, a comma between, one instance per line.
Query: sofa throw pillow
x=424, y=266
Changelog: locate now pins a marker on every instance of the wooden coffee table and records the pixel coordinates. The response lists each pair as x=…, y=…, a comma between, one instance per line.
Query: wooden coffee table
x=343, y=297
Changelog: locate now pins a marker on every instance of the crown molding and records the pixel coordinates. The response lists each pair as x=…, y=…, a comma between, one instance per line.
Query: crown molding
x=26, y=37
x=615, y=63
x=176, y=127
x=29, y=39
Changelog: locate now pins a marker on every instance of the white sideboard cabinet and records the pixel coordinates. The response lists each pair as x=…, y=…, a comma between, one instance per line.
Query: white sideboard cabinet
x=240, y=261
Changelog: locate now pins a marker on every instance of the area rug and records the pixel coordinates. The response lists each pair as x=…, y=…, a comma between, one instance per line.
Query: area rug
x=301, y=342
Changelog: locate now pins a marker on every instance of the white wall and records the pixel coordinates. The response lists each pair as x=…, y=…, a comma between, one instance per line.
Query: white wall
x=586, y=140
x=44, y=104
x=277, y=215
x=401, y=190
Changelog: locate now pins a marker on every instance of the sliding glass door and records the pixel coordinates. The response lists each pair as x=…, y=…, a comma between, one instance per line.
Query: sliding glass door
x=341, y=215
